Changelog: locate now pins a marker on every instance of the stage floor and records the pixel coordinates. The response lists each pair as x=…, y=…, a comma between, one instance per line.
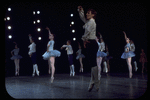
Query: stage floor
x=112, y=86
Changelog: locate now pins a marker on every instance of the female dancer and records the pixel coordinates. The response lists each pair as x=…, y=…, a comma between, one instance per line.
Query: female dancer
x=143, y=59
x=80, y=56
x=50, y=54
x=90, y=43
x=16, y=58
x=32, y=54
x=70, y=56
x=100, y=55
x=132, y=48
x=128, y=55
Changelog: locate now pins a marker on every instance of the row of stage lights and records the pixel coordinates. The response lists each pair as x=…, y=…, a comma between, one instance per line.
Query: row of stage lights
x=9, y=27
x=38, y=22
x=73, y=30
x=34, y=22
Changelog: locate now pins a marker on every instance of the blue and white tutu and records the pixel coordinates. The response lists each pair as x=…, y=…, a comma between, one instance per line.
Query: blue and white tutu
x=53, y=53
x=80, y=56
x=101, y=54
x=16, y=57
x=126, y=55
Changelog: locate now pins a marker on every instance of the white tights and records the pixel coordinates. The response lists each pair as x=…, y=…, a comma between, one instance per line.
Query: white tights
x=99, y=61
x=51, y=66
x=129, y=66
x=16, y=61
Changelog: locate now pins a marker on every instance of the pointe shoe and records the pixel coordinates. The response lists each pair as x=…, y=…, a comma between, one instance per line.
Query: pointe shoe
x=82, y=70
x=91, y=87
x=52, y=79
x=16, y=73
x=130, y=75
x=33, y=75
x=73, y=74
x=38, y=73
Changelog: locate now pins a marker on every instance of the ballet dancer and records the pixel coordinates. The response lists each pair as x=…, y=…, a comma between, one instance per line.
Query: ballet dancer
x=32, y=54
x=50, y=54
x=100, y=55
x=70, y=56
x=90, y=44
x=128, y=55
x=80, y=56
x=132, y=48
x=143, y=59
x=107, y=59
x=16, y=58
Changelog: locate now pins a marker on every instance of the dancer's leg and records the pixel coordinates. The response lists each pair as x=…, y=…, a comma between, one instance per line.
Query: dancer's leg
x=129, y=66
x=99, y=61
x=18, y=67
x=81, y=68
x=36, y=69
x=15, y=61
x=49, y=66
x=52, y=60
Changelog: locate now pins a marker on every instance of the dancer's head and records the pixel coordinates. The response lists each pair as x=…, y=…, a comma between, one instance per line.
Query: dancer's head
x=142, y=50
x=127, y=40
x=68, y=42
x=131, y=42
x=51, y=36
x=91, y=13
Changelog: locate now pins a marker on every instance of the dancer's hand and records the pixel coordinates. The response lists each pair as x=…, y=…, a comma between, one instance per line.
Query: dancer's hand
x=47, y=28
x=80, y=8
x=29, y=35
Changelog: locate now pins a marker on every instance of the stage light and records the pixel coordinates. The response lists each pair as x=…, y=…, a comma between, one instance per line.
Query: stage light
x=38, y=12
x=71, y=15
x=38, y=29
x=34, y=22
x=72, y=23
x=10, y=36
x=39, y=38
x=8, y=18
x=74, y=39
x=4, y=19
x=73, y=31
x=38, y=21
x=9, y=9
x=33, y=12
x=9, y=27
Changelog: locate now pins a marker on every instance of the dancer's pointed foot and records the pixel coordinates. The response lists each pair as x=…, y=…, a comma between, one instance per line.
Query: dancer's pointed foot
x=52, y=79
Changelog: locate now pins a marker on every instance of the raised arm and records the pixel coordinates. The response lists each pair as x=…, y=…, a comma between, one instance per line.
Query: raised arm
x=125, y=35
x=30, y=37
x=48, y=30
x=81, y=14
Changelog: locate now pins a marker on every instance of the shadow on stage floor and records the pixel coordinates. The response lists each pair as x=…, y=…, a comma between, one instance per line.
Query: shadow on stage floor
x=113, y=85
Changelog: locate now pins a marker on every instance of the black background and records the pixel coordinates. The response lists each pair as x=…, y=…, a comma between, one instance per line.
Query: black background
x=112, y=18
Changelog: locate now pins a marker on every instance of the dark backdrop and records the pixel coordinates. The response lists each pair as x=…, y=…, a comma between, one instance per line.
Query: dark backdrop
x=111, y=20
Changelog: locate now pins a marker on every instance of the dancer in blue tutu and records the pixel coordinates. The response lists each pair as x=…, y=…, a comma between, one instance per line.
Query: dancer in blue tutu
x=50, y=54
x=80, y=56
x=16, y=58
x=100, y=55
x=128, y=54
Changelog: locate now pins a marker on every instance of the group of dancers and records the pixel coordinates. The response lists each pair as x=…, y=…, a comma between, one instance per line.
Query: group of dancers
x=94, y=46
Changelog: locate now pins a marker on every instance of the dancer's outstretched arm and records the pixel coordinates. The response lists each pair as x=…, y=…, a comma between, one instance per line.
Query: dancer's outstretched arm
x=48, y=30
x=125, y=35
x=81, y=14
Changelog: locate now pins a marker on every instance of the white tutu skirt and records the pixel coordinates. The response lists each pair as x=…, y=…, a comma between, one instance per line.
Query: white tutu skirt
x=53, y=53
x=101, y=54
x=16, y=57
x=80, y=56
x=126, y=55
